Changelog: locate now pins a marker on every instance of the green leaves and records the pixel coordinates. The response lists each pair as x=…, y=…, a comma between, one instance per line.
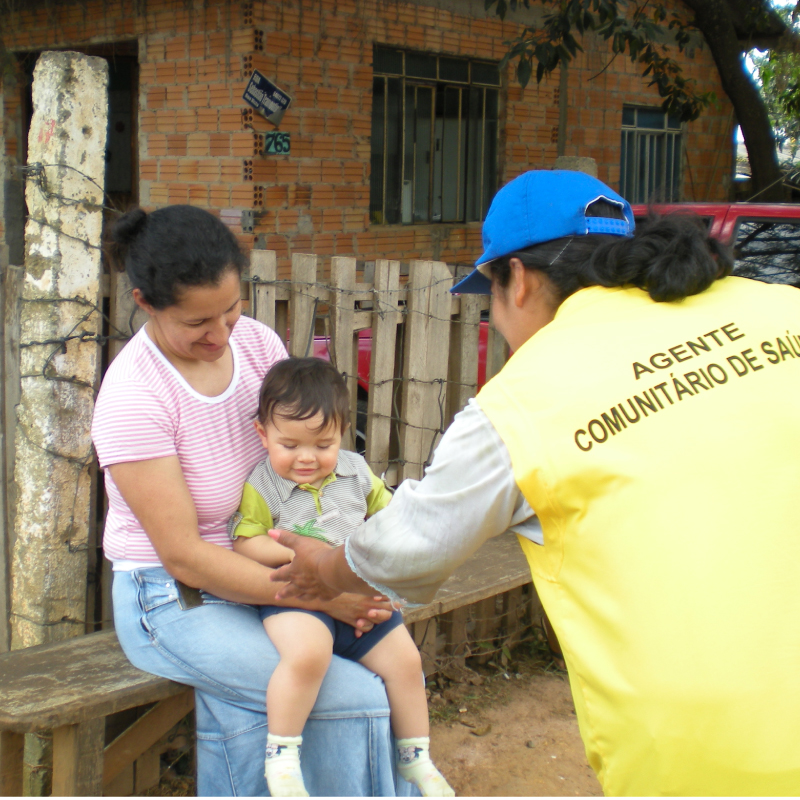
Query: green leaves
x=777, y=72
x=635, y=28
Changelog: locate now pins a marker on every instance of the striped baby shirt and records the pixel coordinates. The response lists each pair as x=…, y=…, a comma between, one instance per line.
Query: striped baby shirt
x=147, y=410
x=331, y=513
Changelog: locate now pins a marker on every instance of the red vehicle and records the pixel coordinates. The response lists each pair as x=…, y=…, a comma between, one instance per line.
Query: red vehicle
x=365, y=355
x=765, y=237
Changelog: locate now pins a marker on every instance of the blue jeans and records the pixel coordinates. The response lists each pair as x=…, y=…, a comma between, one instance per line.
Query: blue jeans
x=221, y=649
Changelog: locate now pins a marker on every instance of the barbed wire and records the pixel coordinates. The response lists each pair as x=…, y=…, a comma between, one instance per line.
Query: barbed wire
x=315, y=290
x=35, y=174
x=396, y=417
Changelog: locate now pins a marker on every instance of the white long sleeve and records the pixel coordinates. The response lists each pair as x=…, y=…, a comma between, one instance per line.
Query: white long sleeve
x=468, y=495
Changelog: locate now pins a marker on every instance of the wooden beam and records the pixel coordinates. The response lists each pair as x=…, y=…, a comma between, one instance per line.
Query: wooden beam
x=122, y=785
x=487, y=628
x=145, y=732
x=12, y=298
x=382, y=366
x=342, y=349
x=302, y=304
x=12, y=746
x=147, y=772
x=78, y=759
x=263, y=273
x=424, y=634
x=454, y=626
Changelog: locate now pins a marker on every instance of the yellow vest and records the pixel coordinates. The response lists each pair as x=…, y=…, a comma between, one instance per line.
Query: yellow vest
x=659, y=443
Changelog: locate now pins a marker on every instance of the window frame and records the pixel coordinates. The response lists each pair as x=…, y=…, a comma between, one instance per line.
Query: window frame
x=400, y=204
x=639, y=144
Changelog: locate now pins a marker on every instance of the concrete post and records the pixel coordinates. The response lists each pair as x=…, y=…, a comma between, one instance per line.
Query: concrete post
x=59, y=352
x=577, y=163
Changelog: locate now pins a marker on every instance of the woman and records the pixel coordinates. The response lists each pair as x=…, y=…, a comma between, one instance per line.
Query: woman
x=649, y=417
x=173, y=429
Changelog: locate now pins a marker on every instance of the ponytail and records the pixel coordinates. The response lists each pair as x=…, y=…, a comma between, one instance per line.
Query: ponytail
x=669, y=257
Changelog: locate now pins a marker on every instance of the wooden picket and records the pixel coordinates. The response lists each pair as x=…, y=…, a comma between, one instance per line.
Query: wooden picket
x=386, y=318
x=424, y=384
x=263, y=290
x=342, y=338
x=303, y=301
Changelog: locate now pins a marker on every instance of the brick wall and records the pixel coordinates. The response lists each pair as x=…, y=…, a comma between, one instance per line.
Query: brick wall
x=199, y=143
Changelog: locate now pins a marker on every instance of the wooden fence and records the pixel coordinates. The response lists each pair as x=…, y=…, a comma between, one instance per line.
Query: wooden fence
x=423, y=364
x=10, y=286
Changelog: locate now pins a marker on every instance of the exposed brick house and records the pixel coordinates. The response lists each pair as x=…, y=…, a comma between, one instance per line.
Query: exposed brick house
x=401, y=126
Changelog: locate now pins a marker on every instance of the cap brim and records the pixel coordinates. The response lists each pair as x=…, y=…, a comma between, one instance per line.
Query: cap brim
x=475, y=283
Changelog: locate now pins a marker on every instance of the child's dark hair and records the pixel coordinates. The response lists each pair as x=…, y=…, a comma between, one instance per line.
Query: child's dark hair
x=173, y=248
x=301, y=388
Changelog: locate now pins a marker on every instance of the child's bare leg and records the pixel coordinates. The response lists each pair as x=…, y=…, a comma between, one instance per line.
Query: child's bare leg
x=305, y=645
x=396, y=659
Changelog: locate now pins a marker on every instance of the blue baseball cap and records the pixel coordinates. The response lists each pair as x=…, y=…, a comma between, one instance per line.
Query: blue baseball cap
x=537, y=207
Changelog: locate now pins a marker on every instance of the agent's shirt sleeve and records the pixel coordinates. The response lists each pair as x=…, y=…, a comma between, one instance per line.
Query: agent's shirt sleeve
x=432, y=526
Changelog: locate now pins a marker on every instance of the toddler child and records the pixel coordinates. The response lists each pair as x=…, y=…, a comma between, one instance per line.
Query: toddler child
x=309, y=486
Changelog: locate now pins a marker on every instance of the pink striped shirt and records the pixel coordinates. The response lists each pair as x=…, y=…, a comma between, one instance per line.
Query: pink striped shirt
x=146, y=410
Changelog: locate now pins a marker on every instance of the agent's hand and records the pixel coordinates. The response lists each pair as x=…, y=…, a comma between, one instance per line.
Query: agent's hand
x=318, y=571
x=302, y=576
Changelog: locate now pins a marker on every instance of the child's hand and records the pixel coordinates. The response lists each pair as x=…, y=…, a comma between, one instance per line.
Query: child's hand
x=264, y=550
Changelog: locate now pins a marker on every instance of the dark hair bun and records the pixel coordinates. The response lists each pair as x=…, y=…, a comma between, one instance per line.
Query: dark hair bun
x=671, y=257
x=128, y=227
x=173, y=248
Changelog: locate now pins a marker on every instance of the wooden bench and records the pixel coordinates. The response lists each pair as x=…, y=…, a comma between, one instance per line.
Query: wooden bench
x=72, y=687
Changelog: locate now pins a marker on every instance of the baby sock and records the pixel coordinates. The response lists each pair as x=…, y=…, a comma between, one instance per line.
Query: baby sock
x=282, y=766
x=414, y=765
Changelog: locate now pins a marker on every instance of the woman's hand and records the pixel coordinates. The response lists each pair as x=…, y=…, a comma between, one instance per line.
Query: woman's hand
x=156, y=492
x=363, y=613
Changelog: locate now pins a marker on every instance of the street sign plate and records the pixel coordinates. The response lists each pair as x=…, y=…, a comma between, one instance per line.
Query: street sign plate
x=266, y=97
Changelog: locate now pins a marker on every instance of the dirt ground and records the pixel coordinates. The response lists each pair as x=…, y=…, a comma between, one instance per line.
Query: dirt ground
x=514, y=740
x=497, y=730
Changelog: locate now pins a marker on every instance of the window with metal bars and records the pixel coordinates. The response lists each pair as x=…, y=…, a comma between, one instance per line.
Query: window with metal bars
x=651, y=156
x=434, y=137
